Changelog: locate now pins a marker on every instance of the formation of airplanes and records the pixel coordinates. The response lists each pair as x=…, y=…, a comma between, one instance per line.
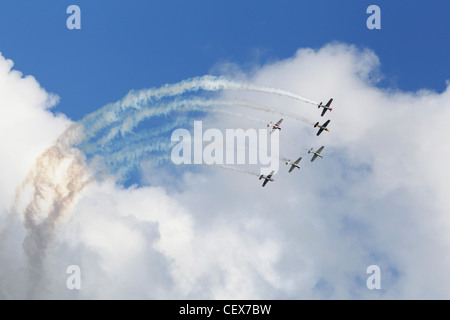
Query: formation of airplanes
x=316, y=154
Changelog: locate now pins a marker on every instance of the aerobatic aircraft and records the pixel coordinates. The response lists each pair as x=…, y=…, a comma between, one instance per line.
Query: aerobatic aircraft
x=322, y=127
x=275, y=126
x=326, y=107
x=267, y=178
x=316, y=153
x=294, y=164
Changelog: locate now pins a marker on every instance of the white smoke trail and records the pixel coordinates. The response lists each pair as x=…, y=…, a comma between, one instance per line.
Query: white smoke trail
x=266, y=109
x=61, y=173
x=132, y=154
x=111, y=113
x=252, y=173
x=249, y=87
x=137, y=99
x=241, y=115
x=206, y=83
x=106, y=143
x=131, y=121
x=131, y=150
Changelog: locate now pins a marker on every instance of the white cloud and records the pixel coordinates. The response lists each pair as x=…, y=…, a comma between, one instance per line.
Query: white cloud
x=379, y=196
x=26, y=125
x=26, y=129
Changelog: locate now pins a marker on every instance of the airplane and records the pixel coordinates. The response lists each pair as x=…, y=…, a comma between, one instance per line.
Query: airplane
x=326, y=107
x=316, y=153
x=267, y=178
x=294, y=164
x=275, y=126
x=322, y=127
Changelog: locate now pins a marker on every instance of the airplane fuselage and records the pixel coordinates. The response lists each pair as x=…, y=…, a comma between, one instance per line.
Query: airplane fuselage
x=266, y=178
x=325, y=107
x=274, y=126
x=321, y=127
x=316, y=153
x=293, y=164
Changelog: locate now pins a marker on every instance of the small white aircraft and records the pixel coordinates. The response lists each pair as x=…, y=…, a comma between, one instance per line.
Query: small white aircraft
x=267, y=178
x=316, y=153
x=275, y=126
x=326, y=107
x=294, y=164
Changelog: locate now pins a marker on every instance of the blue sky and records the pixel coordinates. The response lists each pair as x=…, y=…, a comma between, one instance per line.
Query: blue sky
x=139, y=44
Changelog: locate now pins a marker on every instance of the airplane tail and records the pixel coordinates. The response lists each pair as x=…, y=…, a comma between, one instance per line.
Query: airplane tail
x=310, y=150
x=260, y=177
x=320, y=104
x=316, y=125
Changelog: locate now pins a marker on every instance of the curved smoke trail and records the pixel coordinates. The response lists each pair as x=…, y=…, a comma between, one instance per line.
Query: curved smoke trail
x=111, y=113
x=62, y=171
x=133, y=119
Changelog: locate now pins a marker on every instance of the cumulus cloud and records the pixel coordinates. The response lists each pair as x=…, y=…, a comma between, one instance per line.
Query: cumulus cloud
x=379, y=196
x=27, y=127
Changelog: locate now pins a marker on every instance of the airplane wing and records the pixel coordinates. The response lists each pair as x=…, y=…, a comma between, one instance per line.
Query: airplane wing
x=279, y=122
x=326, y=123
x=317, y=153
x=265, y=182
x=323, y=112
x=293, y=166
x=320, y=131
x=329, y=102
x=270, y=175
